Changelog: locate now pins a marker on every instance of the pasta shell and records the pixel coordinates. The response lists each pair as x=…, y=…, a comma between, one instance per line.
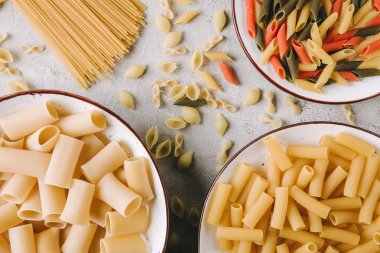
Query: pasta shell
x=167, y=67
x=11, y=71
x=17, y=86
x=175, y=51
x=213, y=42
x=186, y=17
x=178, y=143
x=209, y=80
x=185, y=160
x=168, y=11
x=163, y=149
x=162, y=24
x=193, y=92
x=152, y=136
x=3, y=37
x=172, y=39
x=252, y=97
x=219, y=20
x=225, y=146
x=193, y=217
x=177, y=92
x=156, y=92
x=175, y=123
x=135, y=71
x=126, y=99
x=221, y=124
x=5, y=56
x=166, y=83
x=196, y=60
x=191, y=115
x=178, y=207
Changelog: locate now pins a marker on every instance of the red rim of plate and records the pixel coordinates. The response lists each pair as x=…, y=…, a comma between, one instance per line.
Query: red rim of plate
x=258, y=139
x=68, y=94
x=279, y=85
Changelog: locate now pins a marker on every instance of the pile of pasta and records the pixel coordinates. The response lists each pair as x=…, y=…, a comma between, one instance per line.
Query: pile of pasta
x=63, y=189
x=87, y=35
x=317, y=42
x=313, y=199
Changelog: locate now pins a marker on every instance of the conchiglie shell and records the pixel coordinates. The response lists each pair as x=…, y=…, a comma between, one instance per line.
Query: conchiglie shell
x=251, y=97
x=185, y=160
x=172, y=39
x=126, y=99
x=162, y=24
x=151, y=137
x=213, y=42
x=193, y=92
x=196, y=60
x=135, y=71
x=5, y=56
x=221, y=124
x=177, y=92
x=178, y=143
x=219, y=20
x=163, y=149
x=191, y=115
x=175, y=123
x=186, y=17
x=167, y=67
x=10, y=71
x=17, y=86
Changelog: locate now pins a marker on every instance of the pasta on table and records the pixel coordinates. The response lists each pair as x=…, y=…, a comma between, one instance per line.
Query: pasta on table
x=314, y=43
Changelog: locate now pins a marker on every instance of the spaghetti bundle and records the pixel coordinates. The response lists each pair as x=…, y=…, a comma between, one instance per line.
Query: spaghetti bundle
x=87, y=35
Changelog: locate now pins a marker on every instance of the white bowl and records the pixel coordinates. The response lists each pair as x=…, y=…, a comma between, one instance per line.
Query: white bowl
x=117, y=130
x=366, y=88
x=256, y=154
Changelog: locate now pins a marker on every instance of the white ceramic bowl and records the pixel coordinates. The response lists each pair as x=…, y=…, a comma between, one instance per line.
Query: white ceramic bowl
x=117, y=130
x=256, y=154
x=366, y=88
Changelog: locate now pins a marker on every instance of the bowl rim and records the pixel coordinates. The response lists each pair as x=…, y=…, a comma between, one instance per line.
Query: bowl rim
x=122, y=121
x=242, y=44
x=258, y=139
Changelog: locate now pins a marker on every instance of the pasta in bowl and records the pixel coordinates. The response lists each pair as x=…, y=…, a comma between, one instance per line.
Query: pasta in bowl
x=72, y=169
x=322, y=51
x=303, y=188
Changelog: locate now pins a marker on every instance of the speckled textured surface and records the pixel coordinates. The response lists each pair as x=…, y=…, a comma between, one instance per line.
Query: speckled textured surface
x=44, y=71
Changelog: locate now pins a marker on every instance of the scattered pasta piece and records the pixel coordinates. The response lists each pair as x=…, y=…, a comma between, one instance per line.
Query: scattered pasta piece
x=10, y=71
x=3, y=37
x=193, y=217
x=167, y=67
x=193, y=92
x=151, y=137
x=295, y=107
x=252, y=97
x=221, y=124
x=175, y=123
x=196, y=60
x=177, y=92
x=178, y=145
x=228, y=73
x=209, y=80
x=163, y=149
x=175, y=51
x=267, y=119
x=178, y=207
x=213, y=42
x=269, y=97
x=32, y=48
x=191, y=115
x=225, y=147
x=206, y=95
x=156, y=95
x=135, y=71
x=186, y=17
x=162, y=24
x=348, y=113
x=126, y=99
x=185, y=160
x=218, y=56
x=166, y=83
x=5, y=56
x=184, y=2
x=17, y=86
x=165, y=4
x=172, y=39
x=219, y=20
x=225, y=105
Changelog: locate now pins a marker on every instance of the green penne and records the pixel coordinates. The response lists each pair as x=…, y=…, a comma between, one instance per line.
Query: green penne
x=305, y=32
x=277, y=5
x=285, y=10
x=300, y=4
x=185, y=101
x=284, y=64
x=292, y=64
x=259, y=38
x=347, y=65
x=366, y=72
x=314, y=9
x=265, y=10
x=368, y=31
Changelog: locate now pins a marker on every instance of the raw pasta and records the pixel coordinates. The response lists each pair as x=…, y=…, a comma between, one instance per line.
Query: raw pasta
x=135, y=71
x=5, y=56
x=209, y=80
x=18, y=85
x=178, y=145
x=186, y=17
x=269, y=98
x=126, y=99
x=163, y=149
x=27, y=48
x=218, y=56
x=162, y=24
x=175, y=51
x=196, y=61
x=252, y=97
x=221, y=124
x=172, y=39
x=167, y=67
x=185, y=160
x=225, y=147
x=151, y=137
x=219, y=20
x=191, y=115
x=175, y=123
x=213, y=42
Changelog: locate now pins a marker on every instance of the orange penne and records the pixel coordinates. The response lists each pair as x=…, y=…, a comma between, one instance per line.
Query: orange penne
x=349, y=76
x=271, y=32
x=250, y=18
x=374, y=46
x=282, y=41
x=300, y=51
x=277, y=66
x=228, y=73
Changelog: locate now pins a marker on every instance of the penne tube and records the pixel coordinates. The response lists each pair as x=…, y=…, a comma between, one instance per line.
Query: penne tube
x=353, y=178
x=269, y=51
x=370, y=230
x=308, y=152
x=282, y=248
x=290, y=176
x=63, y=161
x=294, y=216
x=315, y=34
x=43, y=140
x=354, y=143
x=368, y=176
x=107, y=160
x=98, y=212
x=4, y=245
x=118, y=196
x=339, y=161
x=17, y=188
x=119, y=225
x=291, y=24
x=125, y=243
x=236, y=215
x=369, y=204
x=325, y=75
x=370, y=246
x=270, y=241
x=247, y=188
x=307, y=67
x=319, y=52
x=316, y=183
x=80, y=124
x=257, y=211
x=273, y=176
x=280, y=207
x=22, y=123
x=136, y=172
x=333, y=181
x=239, y=179
x=218, y=56
x=20, y=161
x=21, y=239
x=342, y=54
x=79, y=238
x=331, y=249
x=340, y=235
x=218, y=202
x=367, y=18
x=305, y=176
x=342, y=217
x=239, y=234
x=17, y=144
x=309, y=247
x=223, y=244
x=309, y=86
x=315, y=222
x=343, y=203
x=31, y=208
x=47, y=241
x=8, y=217
x=363, y=10
x=327, y=24
x=263, y=224
x=301, y=236
x=303, y=17
x=370, y=64
x=77, y=207
x=336, y=148
x=345, y=23
x=277, y=152
x=244, y=247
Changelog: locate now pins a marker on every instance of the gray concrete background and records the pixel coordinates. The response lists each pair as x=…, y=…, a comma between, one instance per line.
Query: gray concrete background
x=44, y=71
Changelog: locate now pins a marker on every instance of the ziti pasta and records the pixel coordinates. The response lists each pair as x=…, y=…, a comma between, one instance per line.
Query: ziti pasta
x=314, y=43
x=304, y=204
x=68, y=190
